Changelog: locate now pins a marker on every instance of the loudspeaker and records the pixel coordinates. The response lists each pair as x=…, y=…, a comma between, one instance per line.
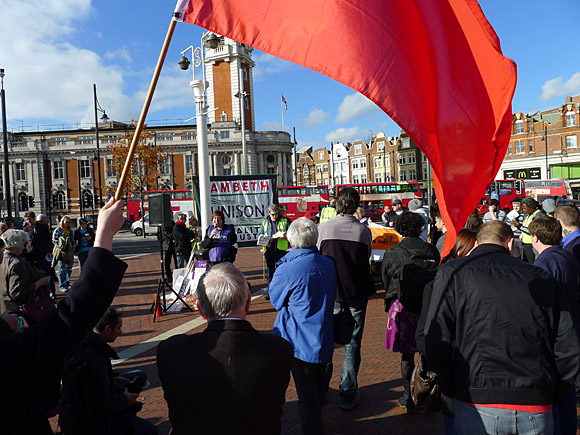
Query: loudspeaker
x=159, y=210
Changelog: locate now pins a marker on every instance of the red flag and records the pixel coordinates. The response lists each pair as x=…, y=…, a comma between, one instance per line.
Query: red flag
x=284, y=101
x=435, y=67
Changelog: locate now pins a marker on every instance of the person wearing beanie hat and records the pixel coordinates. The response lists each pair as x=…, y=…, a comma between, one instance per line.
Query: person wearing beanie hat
x=416, y=206
x=549, y=206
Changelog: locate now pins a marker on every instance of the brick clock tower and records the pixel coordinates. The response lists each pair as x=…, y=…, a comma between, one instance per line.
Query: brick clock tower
x=222, y=68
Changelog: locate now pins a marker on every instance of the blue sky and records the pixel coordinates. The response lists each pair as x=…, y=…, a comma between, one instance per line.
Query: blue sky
x=54, y=50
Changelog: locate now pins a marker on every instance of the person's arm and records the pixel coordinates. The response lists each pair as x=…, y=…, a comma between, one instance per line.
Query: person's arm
x=20, y=285
x=440, y=331
x=207, y=240
x=566, y=343
x=280, y=289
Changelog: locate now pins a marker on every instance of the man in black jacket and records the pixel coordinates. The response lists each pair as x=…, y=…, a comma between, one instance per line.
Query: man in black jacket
x=229, y=378
x=500, y=336
x=32, y=358
x=165, y=236
x=182, y=237
x=41, y=242
x=94, y=400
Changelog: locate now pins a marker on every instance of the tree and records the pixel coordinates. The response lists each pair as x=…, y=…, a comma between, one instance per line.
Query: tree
x=146, y=164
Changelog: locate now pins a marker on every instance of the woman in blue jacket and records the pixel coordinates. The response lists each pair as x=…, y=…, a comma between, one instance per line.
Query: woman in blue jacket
x=302, y=291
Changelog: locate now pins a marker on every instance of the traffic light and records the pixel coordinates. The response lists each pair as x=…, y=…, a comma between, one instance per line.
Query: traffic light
x=31, y=201
x=55, y=201
x=23, y=202
x=87, y=199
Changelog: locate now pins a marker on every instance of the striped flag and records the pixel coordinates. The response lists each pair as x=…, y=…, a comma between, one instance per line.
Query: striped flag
x=284, y=101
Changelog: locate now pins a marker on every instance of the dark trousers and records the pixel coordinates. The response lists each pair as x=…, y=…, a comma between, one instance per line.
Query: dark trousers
x=167, y=256
x=273, y=256
x=310, y=384
x=529, y=255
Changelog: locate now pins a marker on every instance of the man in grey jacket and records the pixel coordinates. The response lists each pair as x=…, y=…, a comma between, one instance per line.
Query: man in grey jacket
x=348, y=243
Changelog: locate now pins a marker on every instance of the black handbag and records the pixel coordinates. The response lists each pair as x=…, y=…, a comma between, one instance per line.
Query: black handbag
x=343, y=323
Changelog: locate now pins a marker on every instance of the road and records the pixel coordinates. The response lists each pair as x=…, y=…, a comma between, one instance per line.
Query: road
x=126, y=243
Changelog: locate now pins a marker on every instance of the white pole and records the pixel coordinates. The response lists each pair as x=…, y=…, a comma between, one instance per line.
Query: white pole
x=199, y=87
x=243, y=119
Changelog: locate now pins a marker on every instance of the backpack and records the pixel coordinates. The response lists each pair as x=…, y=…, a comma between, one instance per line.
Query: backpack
x=414, y=274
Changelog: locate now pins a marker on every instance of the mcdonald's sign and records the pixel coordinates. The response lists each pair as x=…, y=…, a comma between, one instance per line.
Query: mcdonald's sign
x=525, y=173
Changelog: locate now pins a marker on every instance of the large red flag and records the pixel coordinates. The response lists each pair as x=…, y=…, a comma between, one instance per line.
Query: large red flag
x=434, y=66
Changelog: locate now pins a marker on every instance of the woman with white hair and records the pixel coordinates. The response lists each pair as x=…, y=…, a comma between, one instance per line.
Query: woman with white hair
x=18, y=279
x=302, y=291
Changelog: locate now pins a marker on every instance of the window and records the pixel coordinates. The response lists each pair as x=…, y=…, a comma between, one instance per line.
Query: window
x=570, y=119
x=58, y=140
x=20, y=171
x=529, y=126
x=520, y=147
x=320, y=155
x=412, y=158
x=59, y=200
x=354, y=163
x=109, y=168
x=227, y=171
x=226, y=160
x=270, y=170
x=355, y=179
x=424, y=173
x=571, y=142
x=270, y=158
x=363, y=163
x=378, y=163
x=343, y=166
x=189, y=135
x=358, y=149
x=325, y=167
x=509, y=150
x=381, y=147
x=319, y=169
x=363, y=178
x=85, y=140
x=85, y=168
x=58, y=170
x=406, y=142
x=336, y=167
x=412, y=175
x=378, y=178
x=165, y=167
x=402, y=159
x=246, y=104
x=188, y=163
x=387, y=160
x=164, y=136
x=224, y=116
x=403, y=176
x=519, y=126
x=110, y=138
x=530, y=146
x=224, y=134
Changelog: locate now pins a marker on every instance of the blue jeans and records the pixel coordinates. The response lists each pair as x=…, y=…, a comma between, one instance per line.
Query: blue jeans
x=470, y=419
x=351, y=361
x=64, y=272
x=180, y=261
x=564, y=412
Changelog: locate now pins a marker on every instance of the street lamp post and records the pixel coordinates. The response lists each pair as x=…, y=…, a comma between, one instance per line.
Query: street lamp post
x=104, y=118
x=5, y=140
x=546, y=142
x=199, y=87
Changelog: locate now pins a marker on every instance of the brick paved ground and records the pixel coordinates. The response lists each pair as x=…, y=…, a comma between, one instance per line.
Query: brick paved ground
x=379, y=377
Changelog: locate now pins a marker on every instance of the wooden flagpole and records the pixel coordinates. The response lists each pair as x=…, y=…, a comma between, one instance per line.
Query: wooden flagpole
x=144, y=111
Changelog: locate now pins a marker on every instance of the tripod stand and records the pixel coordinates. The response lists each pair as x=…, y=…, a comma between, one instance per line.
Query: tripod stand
x=162, y=285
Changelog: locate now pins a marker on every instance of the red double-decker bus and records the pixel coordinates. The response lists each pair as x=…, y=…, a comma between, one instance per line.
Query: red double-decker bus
x=303, y=201
x=555, y=188
x=505, y=191
x=375, y=196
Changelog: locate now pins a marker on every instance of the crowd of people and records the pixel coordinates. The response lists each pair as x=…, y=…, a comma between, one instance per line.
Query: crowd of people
x=496, y=320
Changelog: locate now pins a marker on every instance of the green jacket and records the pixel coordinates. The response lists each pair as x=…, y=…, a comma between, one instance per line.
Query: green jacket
x=283, y=224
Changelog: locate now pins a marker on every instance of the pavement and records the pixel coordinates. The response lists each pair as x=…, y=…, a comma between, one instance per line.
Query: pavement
x=379, y=376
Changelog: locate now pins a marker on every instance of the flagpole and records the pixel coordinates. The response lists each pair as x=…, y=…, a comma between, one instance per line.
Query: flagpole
x=282, y=109
x=146, y=104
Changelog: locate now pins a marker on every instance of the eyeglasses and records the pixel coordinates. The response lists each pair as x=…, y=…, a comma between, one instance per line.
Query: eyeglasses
x=274, y=214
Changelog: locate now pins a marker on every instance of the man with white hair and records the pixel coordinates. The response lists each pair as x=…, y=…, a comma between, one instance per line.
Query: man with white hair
x=229, y=376
x=303, y=291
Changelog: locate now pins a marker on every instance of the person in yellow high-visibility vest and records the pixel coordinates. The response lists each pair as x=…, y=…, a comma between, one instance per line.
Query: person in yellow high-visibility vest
x=275, y=226
x=329, y=212
x=533, y=210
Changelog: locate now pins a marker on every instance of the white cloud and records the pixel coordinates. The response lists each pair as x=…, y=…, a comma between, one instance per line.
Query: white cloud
x=344, y=134
x=270, y=126
x=121, y=53
x=353, y=106
x=558, y=87
x=316, y=116
x=267, y=65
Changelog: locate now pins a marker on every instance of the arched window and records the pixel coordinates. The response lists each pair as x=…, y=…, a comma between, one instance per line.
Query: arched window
x=224, y=116
x=59, y=200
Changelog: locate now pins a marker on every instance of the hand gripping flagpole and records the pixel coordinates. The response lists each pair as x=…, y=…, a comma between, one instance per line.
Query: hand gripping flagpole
x=144, y=111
